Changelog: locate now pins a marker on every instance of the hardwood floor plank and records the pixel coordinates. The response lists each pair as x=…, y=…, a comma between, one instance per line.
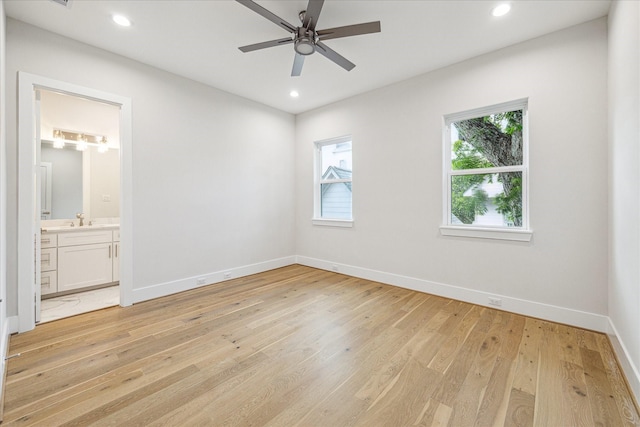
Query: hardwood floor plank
x=527, y=366
x=300, y=346
x=575, y=401
x=520, y=411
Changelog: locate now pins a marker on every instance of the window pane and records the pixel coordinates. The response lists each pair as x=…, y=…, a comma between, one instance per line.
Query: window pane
x=489, y=141
x=336, y=160
x=335, y=200
x=487, y=199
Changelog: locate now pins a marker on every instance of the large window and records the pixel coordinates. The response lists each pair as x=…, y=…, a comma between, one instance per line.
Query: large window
x=333, y=201
x=486, y=172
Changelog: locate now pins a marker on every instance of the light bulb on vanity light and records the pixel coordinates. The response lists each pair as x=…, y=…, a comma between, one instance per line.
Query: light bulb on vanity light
x=82, y=143
x=102, y=146
x=58, y=139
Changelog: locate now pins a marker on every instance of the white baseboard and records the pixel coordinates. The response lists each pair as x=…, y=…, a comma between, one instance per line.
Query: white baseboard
x=168, y=288
x=629, y=368
x=582, y=319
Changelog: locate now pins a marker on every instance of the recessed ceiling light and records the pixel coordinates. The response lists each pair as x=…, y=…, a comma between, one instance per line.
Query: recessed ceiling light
x=294, y=94
x=501, y=10
x=121, y=20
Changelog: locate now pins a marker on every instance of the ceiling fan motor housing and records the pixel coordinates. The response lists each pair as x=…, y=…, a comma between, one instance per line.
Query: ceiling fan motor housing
x=305, y=43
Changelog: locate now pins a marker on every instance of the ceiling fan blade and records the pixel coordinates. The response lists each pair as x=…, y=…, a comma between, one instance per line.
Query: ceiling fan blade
x=312, y=14
x=270, y=16
x=264, y=45
x=298, y=62
x=334, y=56
x=349, y=30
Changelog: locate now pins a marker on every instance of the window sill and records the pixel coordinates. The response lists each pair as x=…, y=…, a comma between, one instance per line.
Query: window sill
x=487, y=233
x=344, y=223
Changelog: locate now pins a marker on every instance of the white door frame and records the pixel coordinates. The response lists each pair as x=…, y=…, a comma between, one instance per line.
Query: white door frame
x=27, y=167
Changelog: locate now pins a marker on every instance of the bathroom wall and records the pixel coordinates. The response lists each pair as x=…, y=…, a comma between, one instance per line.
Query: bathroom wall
x=99, y=179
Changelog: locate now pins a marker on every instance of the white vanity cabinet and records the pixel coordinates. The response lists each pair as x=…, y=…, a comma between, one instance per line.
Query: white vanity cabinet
x=84, y=259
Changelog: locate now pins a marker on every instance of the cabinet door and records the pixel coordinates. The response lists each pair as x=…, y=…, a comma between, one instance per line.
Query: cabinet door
x=116, y=261
x=84, y=265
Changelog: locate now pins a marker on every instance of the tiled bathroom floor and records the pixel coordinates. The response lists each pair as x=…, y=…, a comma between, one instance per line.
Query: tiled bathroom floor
x=82, y=302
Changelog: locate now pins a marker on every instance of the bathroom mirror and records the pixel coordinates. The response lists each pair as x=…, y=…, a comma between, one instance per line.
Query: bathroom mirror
x=79, y=181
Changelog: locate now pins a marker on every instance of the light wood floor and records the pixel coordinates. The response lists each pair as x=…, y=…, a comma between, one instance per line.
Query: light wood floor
x=303, y=347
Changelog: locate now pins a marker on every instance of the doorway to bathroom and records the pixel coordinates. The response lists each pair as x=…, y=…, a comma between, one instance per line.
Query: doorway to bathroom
x=72, y=245
x=79, y=205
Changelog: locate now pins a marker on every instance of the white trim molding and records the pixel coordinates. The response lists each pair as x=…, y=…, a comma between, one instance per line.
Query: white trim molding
x=27, y=232
x=345, y=223
x=487, y=233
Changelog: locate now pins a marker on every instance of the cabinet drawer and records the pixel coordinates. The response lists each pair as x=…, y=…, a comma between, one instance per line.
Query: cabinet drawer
x=84, y=238
x=48, y=259
x=116, y=235
x=48, y=240
x=49, y=282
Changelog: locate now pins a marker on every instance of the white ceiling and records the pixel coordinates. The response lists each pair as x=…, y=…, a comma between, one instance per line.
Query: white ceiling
x=200, y=39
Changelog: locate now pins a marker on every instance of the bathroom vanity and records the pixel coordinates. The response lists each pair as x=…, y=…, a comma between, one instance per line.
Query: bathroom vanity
x=76, y=258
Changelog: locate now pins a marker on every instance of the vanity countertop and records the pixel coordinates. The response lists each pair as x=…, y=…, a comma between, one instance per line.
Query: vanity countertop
x=75, y=229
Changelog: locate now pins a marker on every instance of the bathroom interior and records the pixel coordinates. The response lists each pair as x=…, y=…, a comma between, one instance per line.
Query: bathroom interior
x=79, y=206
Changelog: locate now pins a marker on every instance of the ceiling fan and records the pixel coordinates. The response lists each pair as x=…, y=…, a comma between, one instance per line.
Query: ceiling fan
x=306, y=39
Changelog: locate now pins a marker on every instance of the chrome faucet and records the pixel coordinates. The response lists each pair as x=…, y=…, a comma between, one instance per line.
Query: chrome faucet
x=80, y=216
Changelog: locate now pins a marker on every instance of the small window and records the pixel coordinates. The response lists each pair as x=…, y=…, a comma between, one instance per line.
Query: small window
x=333, y=200
x=486, y=165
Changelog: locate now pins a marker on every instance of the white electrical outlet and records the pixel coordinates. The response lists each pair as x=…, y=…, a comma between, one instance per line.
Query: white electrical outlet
x=201, y=281
x=334, y=267
x=227, y=275
x=495, y=301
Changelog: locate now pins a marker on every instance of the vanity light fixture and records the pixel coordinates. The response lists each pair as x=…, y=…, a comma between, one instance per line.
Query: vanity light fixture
x=501, y=10
x=81, y=140
x=58, y=139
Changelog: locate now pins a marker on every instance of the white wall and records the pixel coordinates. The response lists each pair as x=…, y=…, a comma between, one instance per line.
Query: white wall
x=104, y=185
x=212, y=176
x=624, y=197
x=397, y=180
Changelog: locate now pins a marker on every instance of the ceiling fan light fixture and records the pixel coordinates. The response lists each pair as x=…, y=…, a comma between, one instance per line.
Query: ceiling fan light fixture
x=304, y=46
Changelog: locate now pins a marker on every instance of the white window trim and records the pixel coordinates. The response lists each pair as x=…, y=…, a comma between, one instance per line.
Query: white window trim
x=317, y=170
x=523, y=233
